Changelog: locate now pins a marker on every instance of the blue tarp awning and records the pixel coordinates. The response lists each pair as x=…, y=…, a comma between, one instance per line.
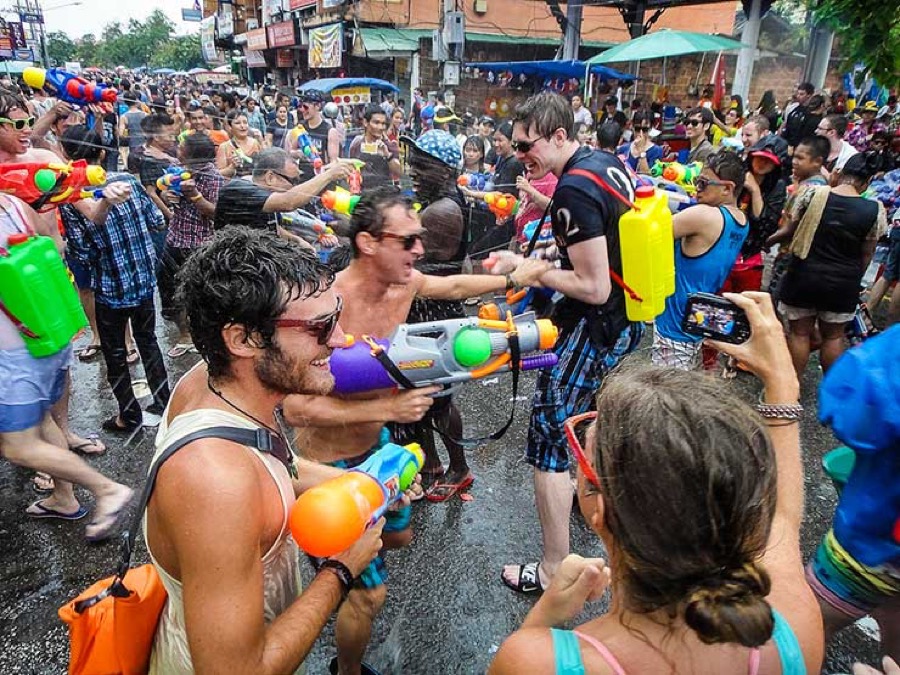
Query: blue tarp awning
x=552, y=69
x=329, y=83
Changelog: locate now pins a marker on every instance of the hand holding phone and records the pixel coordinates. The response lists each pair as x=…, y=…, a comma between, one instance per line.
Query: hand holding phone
x=714, y=317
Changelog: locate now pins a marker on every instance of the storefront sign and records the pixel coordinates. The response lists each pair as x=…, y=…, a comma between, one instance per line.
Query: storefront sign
x=325, y=45
x=351, y=95
x=282, y=34
x=302, y=4
x=17, y=35
x=208, y=39
x=256, y=39
x=255, y=59
x=284, y=58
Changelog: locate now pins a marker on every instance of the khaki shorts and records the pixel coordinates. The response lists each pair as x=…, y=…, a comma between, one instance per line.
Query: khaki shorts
x=792, y=313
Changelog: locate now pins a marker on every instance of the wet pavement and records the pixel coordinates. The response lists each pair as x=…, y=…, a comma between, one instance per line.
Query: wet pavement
x=447, y=610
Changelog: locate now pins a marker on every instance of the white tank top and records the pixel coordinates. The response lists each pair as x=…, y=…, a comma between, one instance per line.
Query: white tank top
x=281, y=573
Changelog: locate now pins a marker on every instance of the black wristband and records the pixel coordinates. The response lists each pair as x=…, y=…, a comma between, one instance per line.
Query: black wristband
x=510, y=284
x=342, y=572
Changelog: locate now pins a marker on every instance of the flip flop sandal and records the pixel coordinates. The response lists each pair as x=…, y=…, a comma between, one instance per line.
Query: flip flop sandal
x=89, y=353
x=42, y=483
x=528, y=581
x=38, y=510
x=179, y=350
x=91, y=442
x=441, y=492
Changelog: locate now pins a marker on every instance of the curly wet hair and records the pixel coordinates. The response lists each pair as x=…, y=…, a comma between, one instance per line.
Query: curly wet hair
x=246, y=277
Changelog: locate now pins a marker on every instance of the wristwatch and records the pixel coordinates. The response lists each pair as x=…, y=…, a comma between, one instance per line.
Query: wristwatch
x=342, y=572
x=643, y=155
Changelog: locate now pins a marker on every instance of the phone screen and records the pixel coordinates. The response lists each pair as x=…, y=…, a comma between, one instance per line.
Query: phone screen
x=714, y=317
x=717, y=319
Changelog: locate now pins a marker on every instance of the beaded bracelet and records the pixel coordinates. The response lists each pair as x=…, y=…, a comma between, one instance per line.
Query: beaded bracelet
x=780, y=411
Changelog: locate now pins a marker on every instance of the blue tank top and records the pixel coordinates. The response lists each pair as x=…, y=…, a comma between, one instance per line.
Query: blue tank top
x=567, y=651
x=705, y=273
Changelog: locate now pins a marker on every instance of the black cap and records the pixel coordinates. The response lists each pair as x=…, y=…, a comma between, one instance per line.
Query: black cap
x=313, y=96
x=612, y=100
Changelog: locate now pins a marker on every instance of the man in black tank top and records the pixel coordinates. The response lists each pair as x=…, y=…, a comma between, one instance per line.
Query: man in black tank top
x=325, y=138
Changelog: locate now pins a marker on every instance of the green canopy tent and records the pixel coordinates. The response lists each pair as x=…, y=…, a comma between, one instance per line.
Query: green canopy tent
x=663, y=43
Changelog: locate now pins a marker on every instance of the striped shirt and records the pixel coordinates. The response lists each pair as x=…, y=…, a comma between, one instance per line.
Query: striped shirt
x=120, y=251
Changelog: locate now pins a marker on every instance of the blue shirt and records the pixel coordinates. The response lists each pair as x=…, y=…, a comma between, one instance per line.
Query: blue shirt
x=705, y=273
x=654, y=154
x=120, y=251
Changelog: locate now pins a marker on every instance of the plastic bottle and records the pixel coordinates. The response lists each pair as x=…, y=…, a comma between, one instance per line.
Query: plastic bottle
x=648, y=254
x=36, y=289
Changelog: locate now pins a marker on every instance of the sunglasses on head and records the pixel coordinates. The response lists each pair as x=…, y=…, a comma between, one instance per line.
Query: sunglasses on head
x=408, y=240
x=702, y=182
x=693, y=123
x=322, y=327
x=18, y=125
x=576, y=429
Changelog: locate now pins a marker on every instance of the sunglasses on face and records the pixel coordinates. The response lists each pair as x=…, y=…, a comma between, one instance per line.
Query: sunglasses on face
x=408, y=240
x=18, y=125
x=293, y=180
x=643, y=129
x=322, y=328
x=702, y=182
x=523, y=146
x=576, y=429
x=693, y=123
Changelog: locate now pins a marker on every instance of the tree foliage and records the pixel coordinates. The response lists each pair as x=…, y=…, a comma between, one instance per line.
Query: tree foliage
x=869, y=33
x=141, y=43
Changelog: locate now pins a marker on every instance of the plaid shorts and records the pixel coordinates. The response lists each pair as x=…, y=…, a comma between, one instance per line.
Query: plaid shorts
x=674, y=353
x=568, y=389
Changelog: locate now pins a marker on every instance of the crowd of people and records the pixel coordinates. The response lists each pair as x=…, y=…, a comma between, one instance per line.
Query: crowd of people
x=778, y=222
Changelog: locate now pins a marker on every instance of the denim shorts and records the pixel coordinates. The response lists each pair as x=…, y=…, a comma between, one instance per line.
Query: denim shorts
x=30, y=386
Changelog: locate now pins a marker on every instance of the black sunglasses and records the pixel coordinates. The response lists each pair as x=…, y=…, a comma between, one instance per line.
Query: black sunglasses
x=293, y=180
x=409, y=240
x=643, y=129
x=322, y=328
x=693, y=123
x=523, y=146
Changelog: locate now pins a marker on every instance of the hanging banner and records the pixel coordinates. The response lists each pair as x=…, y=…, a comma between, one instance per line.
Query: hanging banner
x=255, y=59
x=256, y=39
x=208, y=39
x=325, y=43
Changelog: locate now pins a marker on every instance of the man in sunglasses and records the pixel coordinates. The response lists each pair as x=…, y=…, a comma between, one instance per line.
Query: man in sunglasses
x=324, y=137
x=275, y=187
x=378, y=289
x=697, y=124
x=264, y=316
x=709, y=237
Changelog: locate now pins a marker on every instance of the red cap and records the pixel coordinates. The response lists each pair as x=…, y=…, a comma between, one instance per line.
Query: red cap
x=765, y=154
x=17, y=238
x=644, y=192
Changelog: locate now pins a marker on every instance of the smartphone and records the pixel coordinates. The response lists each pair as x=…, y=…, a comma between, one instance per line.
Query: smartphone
x=712, y=316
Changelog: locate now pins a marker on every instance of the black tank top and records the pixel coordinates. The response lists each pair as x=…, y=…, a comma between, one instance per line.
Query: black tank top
x=319, y=137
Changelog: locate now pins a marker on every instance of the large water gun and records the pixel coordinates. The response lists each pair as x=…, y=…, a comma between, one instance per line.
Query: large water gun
x=463, y=350
x=330, y=517
x=515, y=302
x=68, y=87
x=340, y=201
x=36, y=294
x=303, y=223
x=480, y=182
x=647, y=246
x=172, y=179
x=675, y=172
x=305, y=145
x=501, y=204
x=47, y=185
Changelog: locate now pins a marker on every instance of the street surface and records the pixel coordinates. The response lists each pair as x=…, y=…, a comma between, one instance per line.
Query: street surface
x=447, y=610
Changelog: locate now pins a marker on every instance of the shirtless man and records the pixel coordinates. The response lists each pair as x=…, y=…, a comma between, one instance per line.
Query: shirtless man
x=378, y=289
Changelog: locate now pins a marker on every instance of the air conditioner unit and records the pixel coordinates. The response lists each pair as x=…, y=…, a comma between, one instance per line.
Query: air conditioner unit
x=454, y=28
x=438, y=49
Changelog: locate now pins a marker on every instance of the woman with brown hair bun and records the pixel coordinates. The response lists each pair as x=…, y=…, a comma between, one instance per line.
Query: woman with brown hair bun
x=698, y=500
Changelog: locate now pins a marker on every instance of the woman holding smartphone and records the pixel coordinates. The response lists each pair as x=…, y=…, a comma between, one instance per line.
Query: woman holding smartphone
x=704, y=562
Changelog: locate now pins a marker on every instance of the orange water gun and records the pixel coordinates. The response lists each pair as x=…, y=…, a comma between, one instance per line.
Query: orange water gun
x=44, y=186
x=501, y=204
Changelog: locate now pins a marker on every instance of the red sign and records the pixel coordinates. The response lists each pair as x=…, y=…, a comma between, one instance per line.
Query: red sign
x=302, y=4
x=281, y=34
x=256, y=39
x=284, y=58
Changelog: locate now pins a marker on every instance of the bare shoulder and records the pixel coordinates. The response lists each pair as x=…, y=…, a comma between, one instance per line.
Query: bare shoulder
x=40, y=155
x=528, y=650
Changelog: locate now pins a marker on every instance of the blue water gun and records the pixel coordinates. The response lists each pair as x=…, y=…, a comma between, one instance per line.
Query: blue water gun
x=172, y=179
x=480, y=182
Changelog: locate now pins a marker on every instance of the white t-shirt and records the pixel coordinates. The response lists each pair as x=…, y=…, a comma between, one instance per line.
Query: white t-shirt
x=847, y=151
x=583, y=116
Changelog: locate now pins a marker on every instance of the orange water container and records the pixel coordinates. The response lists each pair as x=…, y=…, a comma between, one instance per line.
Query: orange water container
x=648, y=254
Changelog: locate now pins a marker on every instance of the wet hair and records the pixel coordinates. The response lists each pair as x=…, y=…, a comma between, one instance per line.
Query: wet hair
x=270, y=159
x=705, y=114
x=608, y=136
x=815, y=102
x=858, y=169
x=232, y=115
x=247, y=277
x=712, y=501
x=198, y=149
x=505, y=129
x=642, y=116
x=153, y=124
x=728, y=166
x=761, y=122
x=818, y=147
x=79, y=142
x=368, y=216
x=838, y=123
x=340, y=257
x=807, y=87
x=11, y=100
x=546, y=112
x=371, y=111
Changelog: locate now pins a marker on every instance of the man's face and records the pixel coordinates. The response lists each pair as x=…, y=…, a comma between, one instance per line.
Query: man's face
x=694, y=127
x=801, y=96
x=217, y=101
x=715, y=191
x=283, y=180
x=393, y=261
x=165, y=139
x=539, y=158
x=501, y=145
x=12, y=141
x=251, y=105
x=826, y=130
x=309, y=110
x=750, y=134
x=296, y=363
x=803, y=164
x=576, y=102
x=376, y=125
x=198, y=120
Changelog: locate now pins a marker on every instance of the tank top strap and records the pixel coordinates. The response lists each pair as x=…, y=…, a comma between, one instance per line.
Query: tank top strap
x=604, y=652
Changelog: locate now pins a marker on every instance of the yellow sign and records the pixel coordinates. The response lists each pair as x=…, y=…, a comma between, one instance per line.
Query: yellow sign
x=352, y=95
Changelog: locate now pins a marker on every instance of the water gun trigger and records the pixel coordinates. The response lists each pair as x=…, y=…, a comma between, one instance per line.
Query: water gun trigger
x=374, y=346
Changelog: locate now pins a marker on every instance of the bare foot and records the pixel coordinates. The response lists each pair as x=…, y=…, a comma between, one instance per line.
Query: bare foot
x=108, y=510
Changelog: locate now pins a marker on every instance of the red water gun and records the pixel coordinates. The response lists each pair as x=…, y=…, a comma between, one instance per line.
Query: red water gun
x=68, y=87
x=46, y=185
